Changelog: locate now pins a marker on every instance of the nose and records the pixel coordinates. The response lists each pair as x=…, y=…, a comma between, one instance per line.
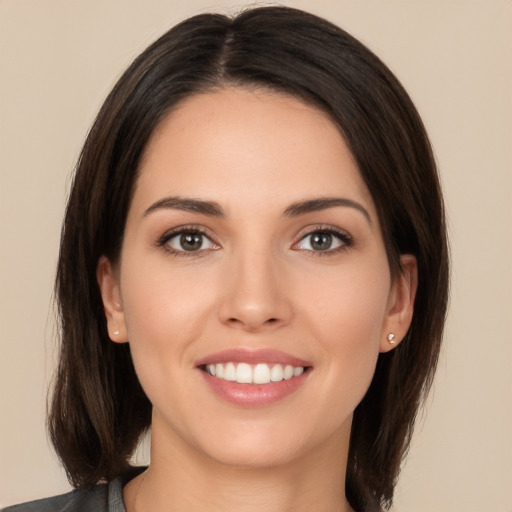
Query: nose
x=256, y=295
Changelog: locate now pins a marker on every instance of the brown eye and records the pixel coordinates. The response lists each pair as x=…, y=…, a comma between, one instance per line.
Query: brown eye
x=189, y=241
x=323, y=241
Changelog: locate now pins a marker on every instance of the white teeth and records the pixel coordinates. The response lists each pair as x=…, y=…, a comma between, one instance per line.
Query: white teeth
x=299, y=370
x=230, y=372
x=276, y=374
x=261, y=373
x=288, y=372
x=244, y=373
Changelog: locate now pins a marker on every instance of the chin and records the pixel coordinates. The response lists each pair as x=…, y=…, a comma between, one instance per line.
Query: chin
x=260, y=456
x=273, y=445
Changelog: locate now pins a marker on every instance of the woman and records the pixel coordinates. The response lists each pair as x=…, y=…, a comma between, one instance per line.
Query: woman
x=253, y=264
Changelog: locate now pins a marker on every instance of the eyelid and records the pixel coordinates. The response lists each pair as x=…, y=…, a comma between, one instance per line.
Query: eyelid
x=341, y=234
x=188, y=228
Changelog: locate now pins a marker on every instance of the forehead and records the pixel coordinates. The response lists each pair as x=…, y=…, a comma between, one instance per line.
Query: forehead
x=254, y=145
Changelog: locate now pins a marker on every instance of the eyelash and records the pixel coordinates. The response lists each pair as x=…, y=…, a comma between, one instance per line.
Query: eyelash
x=192, y=230
x=345, y=239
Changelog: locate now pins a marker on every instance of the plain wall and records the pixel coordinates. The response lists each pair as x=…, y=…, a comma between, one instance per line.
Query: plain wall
x=58, y=60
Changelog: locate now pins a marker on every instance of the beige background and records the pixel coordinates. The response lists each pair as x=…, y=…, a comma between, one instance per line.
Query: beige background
x=58, y=60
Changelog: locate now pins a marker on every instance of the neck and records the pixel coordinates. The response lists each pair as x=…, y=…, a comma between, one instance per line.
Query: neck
x=188, y=481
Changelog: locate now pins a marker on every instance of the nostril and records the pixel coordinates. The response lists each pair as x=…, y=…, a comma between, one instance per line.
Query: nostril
x=253, y=325
x=234, y=320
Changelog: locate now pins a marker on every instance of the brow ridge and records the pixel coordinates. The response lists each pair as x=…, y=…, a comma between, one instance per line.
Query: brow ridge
x=187, y=204
x=323, y=203
x=212, y=208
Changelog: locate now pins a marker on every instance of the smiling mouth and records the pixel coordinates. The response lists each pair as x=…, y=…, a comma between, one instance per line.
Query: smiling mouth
x=261, y=373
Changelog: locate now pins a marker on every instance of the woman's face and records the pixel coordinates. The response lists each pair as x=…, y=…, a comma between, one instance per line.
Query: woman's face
x=253, y=252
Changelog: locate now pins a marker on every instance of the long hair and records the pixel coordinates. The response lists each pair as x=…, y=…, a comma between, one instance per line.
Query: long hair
x=99, y=410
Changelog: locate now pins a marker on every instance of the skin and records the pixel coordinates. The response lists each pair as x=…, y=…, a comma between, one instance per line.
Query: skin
x=257, y=282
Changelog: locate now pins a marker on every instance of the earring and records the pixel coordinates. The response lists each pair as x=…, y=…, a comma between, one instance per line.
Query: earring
x=391, y=338
x=116, y=332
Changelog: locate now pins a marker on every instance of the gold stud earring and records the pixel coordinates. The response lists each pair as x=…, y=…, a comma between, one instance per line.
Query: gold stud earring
x=391, y=338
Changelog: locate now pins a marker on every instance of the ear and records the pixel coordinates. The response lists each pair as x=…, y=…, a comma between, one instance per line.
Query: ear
x=400, y=305
x=108, y=281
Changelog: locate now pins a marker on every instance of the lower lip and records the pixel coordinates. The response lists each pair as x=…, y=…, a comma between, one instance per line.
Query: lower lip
x=254, y=395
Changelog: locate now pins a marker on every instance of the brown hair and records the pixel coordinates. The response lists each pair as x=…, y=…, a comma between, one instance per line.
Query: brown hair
x=99, y=410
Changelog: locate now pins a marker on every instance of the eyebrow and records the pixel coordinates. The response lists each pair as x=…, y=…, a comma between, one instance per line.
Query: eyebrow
x=315, y=205
x=213, y=209
x=186, y=204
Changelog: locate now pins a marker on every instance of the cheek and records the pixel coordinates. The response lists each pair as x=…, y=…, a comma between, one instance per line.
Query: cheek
x=159, y=312
x=349, y=305
x=157, y=300
x=162, y=326
x=347, y=321
x=169, y=313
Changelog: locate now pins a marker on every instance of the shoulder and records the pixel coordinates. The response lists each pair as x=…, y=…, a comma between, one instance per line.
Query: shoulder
x=101, y=498
x=79, y=500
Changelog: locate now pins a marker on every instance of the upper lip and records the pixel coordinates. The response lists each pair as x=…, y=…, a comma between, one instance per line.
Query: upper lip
x=252, y=356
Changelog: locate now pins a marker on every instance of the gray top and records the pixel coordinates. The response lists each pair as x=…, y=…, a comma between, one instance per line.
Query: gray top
x=101, y=498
